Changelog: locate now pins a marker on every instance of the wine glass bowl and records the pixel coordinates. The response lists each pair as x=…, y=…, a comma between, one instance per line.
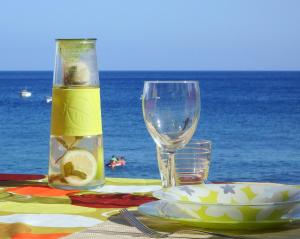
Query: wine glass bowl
x=171, y=111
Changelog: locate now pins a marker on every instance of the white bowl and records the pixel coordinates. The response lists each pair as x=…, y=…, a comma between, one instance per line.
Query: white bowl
x=233, y=202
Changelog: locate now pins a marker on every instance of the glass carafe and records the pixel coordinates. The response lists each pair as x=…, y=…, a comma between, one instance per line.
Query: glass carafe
x=76, y=145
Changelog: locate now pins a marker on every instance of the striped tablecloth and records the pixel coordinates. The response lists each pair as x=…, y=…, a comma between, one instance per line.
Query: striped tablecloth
x=31, y=209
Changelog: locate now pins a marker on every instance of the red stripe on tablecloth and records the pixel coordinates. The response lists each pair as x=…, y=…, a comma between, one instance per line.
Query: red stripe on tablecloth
x=39, y=236
x=43, y=191
x=110, y=200
x=20, y=177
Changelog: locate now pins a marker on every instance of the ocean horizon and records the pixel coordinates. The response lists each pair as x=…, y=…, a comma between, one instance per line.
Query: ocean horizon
x=251, y=117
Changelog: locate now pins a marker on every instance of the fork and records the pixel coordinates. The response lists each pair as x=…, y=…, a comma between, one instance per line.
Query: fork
x=133, y=221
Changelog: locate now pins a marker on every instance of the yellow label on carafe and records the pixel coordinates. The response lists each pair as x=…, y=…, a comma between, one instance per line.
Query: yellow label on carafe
x=76, y=112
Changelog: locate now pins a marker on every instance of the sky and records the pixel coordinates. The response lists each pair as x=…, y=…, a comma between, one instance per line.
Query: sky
x=155, y=34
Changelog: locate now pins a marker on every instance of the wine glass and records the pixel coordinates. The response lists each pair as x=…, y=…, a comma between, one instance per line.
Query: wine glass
x=171, y=111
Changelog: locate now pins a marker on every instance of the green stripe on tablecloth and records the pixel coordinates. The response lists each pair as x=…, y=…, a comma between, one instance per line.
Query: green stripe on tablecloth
x=131, y=181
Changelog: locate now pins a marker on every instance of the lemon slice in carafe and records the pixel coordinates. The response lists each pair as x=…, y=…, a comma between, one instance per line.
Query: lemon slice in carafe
x=79, y=167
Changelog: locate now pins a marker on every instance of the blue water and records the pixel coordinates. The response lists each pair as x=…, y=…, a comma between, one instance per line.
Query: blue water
x=253, y=119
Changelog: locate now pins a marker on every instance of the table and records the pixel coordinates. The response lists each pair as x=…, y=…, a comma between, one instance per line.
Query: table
x=30, y=209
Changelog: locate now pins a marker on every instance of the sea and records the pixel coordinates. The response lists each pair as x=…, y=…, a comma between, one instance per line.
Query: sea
x=252, y=119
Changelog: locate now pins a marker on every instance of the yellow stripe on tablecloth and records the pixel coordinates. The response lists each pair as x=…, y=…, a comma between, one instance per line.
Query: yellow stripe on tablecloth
x=131, y=181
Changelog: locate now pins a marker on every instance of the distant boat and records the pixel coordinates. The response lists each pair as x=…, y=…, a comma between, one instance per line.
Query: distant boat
x=25, y=93
x=48, y=99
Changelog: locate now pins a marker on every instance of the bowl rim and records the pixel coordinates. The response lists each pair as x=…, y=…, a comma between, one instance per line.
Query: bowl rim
x=234, y=204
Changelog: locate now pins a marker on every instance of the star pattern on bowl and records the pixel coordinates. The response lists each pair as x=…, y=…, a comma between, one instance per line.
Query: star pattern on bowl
x=228, y=189
x=187, y=190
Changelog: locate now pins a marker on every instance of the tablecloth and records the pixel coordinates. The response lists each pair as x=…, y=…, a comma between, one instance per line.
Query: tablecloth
x=29, y=208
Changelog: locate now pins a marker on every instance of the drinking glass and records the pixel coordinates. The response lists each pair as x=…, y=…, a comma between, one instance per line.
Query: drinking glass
x=191, y=162
x=171, y=111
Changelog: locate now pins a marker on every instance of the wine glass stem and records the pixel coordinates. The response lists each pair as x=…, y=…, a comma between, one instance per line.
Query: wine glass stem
x=166, y=162
x=172, y=172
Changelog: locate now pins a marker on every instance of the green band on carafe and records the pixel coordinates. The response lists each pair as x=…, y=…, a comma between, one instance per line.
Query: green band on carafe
x=76, y=112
